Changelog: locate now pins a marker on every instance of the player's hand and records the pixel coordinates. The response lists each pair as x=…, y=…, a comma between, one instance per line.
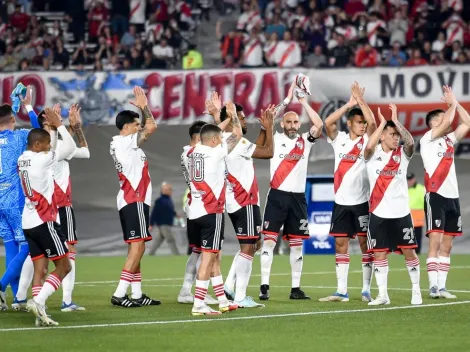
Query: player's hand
x=290, y=93
x=394, y=110
x=381, y=117
x=74, y=117
x=352, y=102
x=53, y=118
x=56, y=108
x=213, y=104
x=140, y=100
x=267, y=116
x=356, y=91
x=449, y=96
x=231, y=109
x=28, y=99
x=300, y=95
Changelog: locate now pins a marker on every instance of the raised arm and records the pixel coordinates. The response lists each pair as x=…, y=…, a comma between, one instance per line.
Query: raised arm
x=237, y=133
x=267, y=150
x=76, y=124
x=148, y=121
x=462, y=130
x=449, y=115
x=358, y=94
x=68, y=144
x=331, y=121
x=316, y=129
x=27, y=101
x=279, y=109
x=409, y=146
x=374, y=138
x=261, y=140
x=213, y=106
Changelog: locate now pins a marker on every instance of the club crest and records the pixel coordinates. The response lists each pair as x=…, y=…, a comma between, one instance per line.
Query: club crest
x=258, y=228
x=359, y=146
x=240, y=230
x=266, y=224
x=396, y=158
x=299, y=144
x=438, y=223
x=449, y=143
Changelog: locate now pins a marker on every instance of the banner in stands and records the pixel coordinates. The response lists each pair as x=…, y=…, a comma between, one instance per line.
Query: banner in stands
x=177, y=97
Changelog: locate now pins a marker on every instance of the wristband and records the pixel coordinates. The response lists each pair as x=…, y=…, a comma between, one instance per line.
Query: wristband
x=262, y=127
x=286, y=102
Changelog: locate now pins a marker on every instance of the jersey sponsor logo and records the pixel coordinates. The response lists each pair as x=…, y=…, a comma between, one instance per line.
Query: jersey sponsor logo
x=349, y=156
x=388, y=172
x=445, y=154
x=291, y=156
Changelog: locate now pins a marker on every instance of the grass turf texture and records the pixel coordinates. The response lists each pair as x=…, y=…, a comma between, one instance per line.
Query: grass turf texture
x=282, y=325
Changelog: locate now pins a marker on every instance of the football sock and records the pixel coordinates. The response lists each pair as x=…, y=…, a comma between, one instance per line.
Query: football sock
x=200, y=292
x=367, y=265
x=444, y=266
x=218, y=285
x=50, y=286
x=342, y=269
x=232, y=274
x=381, y=275
x=267, y=253
x=68, y=282
x=26, y=277
x=124, y=282
x=136, y=285
x=296, y=260
x=244, y=265
x=413, y=269
x=432, y=265
x=190, y=273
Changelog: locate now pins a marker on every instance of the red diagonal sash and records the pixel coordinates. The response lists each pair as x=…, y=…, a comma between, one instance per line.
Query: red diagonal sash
x=288, y=164
x=434, y=182
x=383, y=181
x=286, y=54
x=347, y=163
x=243, y=197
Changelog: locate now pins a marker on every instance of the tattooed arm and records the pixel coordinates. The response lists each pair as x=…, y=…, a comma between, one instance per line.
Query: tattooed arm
x=148, y=121
x=409, y=146
x=237, y=133
x=76, y=126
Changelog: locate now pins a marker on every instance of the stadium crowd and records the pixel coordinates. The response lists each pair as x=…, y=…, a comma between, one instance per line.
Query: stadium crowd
x=155, y=34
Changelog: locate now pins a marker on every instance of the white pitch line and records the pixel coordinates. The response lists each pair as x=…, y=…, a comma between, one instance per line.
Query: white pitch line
x=207, y=320
x=253, y=275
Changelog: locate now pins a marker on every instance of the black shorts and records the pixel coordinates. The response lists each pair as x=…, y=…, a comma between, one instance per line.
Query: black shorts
x=442, y=214
x=194, y=236
x=390, y=235
x=246, y=222
x=46, y=240
x=210, y=228
x=349, y=220
x=135, y=222
x=67, y=224
x=288, y=209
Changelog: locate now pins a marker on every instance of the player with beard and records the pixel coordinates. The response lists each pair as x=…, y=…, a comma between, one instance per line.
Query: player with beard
x=286, y=204
x=351, y=209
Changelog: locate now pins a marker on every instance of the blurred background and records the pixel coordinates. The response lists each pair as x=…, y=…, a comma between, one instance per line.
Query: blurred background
x=94, y=52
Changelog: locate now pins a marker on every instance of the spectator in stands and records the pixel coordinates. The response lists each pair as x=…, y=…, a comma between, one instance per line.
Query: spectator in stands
x=366, y=56
x=76, y=15
x=439, y=43
x=341, y=54
x=19, y=20
x=276, y=26
x=252, y=55
x=397, y=28
x=80, y=56
x=462, y=59
x=231, y=44
x=23, y=65
x=137, y=14
x=113, y=64
x=120, y=16
x=269, y=49
x=427, y=51
x=416, y=59
x=135, y=59
x=396, y=57
x=9, y=61
x=193, y=59
x=354, y=6
x=103, y=51
x=97, y=17
x=288, y=52
x=163, y=52
x=150, y=62
x=129, y=38
x=316, y=59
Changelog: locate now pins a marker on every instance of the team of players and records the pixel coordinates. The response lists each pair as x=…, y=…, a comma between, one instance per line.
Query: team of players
x=218, y=167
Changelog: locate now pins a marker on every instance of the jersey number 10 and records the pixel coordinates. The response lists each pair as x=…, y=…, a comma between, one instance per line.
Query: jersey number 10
x=197, y=169
x=25, y=183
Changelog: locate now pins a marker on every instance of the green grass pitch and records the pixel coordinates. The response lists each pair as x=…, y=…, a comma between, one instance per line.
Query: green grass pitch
x=283, y=325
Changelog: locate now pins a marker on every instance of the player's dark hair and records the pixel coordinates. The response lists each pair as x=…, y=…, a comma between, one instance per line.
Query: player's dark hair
x=390, y=124
x=223, y=111
x=37, y=135
x=195, y=128
x=432, y=114
x=125, y=117
x=355, y=111
x=208, y=130
x=5, y=113
x=41, y=118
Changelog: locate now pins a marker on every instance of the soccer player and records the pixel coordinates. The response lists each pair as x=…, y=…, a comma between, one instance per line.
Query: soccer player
x=185, y=295
x=285, y=203
x=390, y=224
x=134, y=198
x=63, y=196
x=351, y=209
x=207, y=206
x=12, y=144
x=443, y=217
x=45, y=238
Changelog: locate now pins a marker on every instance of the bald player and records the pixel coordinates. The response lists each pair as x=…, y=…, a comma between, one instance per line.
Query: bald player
x=286, y=204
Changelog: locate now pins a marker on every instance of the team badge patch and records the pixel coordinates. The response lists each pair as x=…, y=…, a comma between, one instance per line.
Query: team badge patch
x=396, y=158
x=266, y=224
x=359, y=146
x=438, y=223
x=258, y=228
x=449, y=143
x=299, y=144
x=240, y=230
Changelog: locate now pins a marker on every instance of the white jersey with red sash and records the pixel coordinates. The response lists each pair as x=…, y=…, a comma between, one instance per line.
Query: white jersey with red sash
x=455, y=29
x=253, y=53
x=288, y=54
x=269, y=50
x=388, y=184
x=439, y=165
x=289, y=163
x=351, y=184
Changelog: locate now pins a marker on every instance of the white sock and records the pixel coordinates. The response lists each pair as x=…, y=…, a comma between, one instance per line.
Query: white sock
x=124, y=283
x=232, y=274
x=50, y=286
x=367, y=266
x=218, y=285
x=381, y=275
x=136, y=285
x=69, y=281
x=444, y=266
x=296, y=260
x=267, y=254
x=200, y=292
x=342, y=270
x=432, y=265
x=26, y=277
x=190, y=273
x=413, y=270
x=244, y=264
